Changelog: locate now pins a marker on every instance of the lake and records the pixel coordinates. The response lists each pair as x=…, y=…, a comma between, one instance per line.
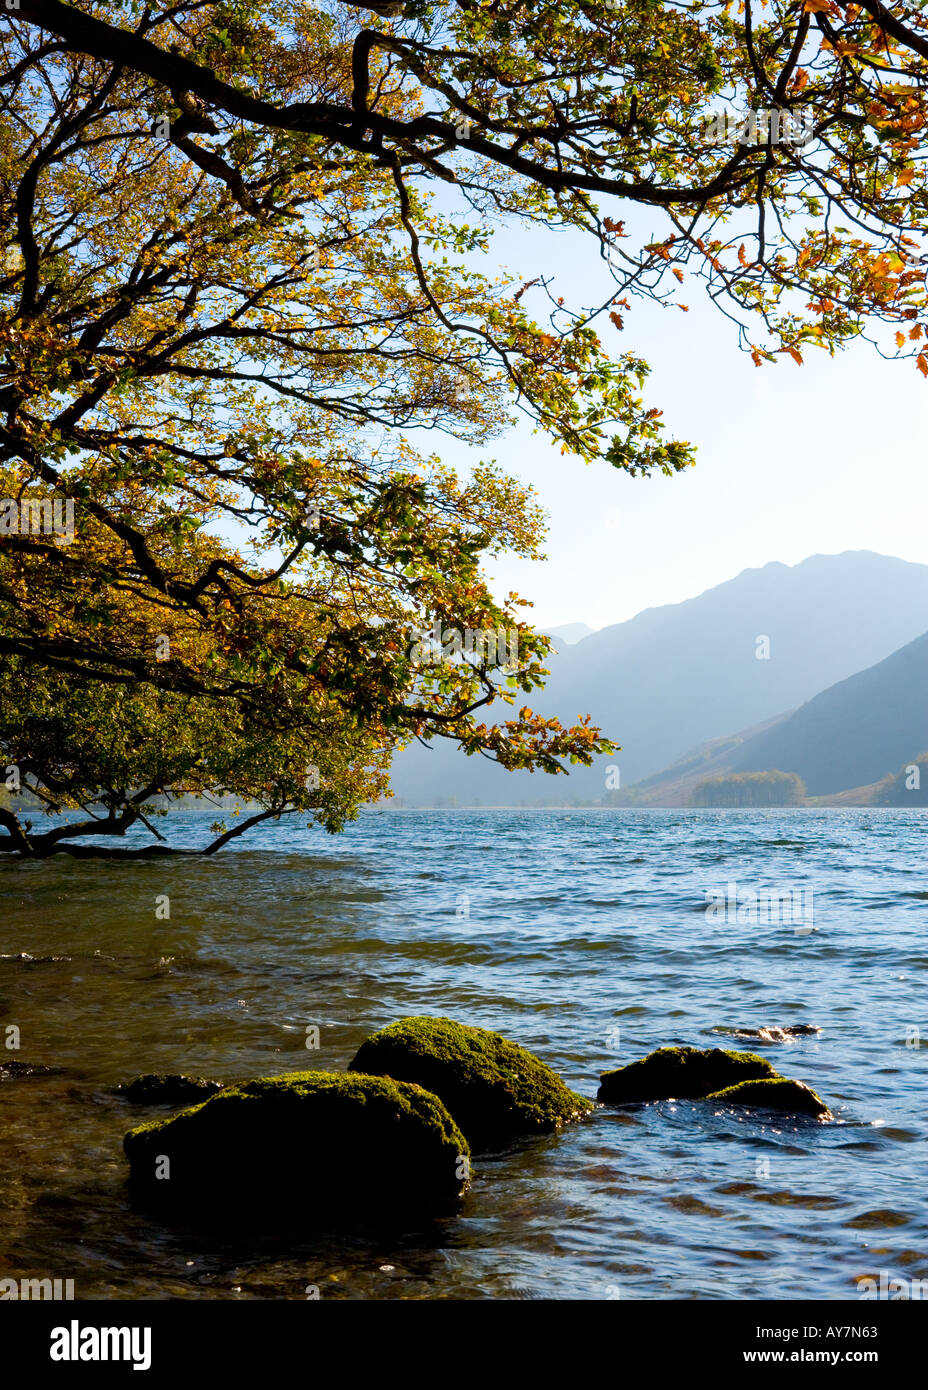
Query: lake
x=583, y=935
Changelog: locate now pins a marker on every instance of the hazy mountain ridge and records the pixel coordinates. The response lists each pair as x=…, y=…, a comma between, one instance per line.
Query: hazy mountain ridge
x=854, y=733
x=677, y=677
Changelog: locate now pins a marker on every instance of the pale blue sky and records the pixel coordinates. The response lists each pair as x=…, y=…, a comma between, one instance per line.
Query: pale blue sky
x=792, y=461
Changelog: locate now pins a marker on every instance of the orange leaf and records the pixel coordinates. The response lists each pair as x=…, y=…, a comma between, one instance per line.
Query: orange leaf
x=915, y=333
x=742, y=258
x=904, y=177
x=795, y=354
x=921, y=363
x=679, y=274
x=617, y=320
x=900, y=340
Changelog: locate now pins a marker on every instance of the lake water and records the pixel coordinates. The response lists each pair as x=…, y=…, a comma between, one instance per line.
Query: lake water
x=582, y=935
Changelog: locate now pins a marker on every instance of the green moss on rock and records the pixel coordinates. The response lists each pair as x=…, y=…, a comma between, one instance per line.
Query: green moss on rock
x=775, y=1093
x=496, y=1090
x=159, y=1088
x=681, y=1073
x=300, y=1149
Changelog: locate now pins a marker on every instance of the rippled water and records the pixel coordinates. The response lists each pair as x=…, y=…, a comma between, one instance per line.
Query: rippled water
x=582, y=935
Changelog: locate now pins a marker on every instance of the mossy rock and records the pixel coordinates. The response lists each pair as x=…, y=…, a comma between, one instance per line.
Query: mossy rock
x=681, y=1073
x=776, y=1093
x=159, y=1088
x=302, y=1149
x=496, y=1090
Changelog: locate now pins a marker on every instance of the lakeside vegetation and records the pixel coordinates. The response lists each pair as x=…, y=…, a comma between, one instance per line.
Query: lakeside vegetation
x=751, y=789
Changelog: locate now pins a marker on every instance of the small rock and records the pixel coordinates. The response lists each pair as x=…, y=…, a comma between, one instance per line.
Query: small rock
x=772, y=1033
x=10, y=1069
x=681, y=1073
x=159, y=1089
x=775, y=1093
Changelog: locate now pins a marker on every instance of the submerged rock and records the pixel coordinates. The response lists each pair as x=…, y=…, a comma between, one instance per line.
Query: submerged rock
x=304, y=1148
x=496, y=1090
x=776, y=1093
x=159, y=1088
x=681, y=1073
x=10, y=1069
x=772, y=1033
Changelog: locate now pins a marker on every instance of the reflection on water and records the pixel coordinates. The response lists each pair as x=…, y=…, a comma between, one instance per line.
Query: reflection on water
x=582, y=935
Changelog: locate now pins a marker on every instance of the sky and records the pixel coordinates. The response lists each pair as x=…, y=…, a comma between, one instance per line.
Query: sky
x=791, y=461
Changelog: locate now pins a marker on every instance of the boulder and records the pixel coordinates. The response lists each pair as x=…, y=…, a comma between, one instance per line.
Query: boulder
x=775, y=1093
x=155, y=1088
x=300, y=1149
x=681, y=1073
x=496, y=1090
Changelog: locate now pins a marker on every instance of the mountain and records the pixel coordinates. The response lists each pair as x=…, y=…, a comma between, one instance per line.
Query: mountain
x=678, y=676
x=854, y=733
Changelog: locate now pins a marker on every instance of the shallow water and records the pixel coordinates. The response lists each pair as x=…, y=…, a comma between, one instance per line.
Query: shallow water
x=582, y=935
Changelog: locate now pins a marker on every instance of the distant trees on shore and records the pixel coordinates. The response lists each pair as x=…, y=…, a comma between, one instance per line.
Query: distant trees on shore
x=751, y=789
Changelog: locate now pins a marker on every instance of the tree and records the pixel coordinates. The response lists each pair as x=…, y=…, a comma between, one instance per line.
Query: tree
x=237, y=273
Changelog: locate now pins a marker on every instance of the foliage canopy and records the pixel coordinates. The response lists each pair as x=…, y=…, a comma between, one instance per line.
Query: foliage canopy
x=240, y=270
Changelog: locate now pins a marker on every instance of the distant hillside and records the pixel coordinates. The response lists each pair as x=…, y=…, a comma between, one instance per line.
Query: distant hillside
x=841, y=743
x=854, y=733
x=686, y=674
x=907, y=787
x=676, y=784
